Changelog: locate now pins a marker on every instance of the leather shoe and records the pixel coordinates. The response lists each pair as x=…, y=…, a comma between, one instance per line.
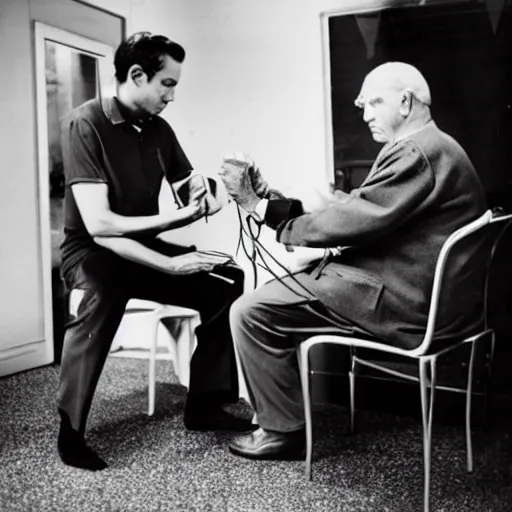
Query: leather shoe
x=266, y=445
x=74, y=451
x=217, y=419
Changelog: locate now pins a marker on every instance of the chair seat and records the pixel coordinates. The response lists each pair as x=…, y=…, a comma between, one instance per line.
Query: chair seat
x=180, y=338
x=452, y=369
x=180, y=342
x=136, y=304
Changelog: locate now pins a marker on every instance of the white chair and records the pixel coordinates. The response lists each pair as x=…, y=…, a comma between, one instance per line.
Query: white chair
x=426, y=354
x=181, y=346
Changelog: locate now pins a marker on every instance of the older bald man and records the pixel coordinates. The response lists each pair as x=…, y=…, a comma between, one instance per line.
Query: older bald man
x=421, y=188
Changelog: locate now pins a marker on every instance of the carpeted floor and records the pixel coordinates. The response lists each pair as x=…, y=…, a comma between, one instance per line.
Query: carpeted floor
x=156, y=465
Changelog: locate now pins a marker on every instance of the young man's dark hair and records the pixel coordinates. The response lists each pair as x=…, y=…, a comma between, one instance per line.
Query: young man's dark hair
x=145, y=49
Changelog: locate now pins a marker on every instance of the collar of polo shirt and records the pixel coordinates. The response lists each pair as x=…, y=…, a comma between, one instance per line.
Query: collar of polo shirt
x=117, y=113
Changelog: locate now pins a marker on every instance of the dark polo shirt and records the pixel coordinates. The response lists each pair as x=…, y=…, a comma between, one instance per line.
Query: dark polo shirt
x=101, y=145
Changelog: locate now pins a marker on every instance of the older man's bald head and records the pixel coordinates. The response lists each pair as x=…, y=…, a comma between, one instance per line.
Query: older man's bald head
x=399, y=76
x=395, y=99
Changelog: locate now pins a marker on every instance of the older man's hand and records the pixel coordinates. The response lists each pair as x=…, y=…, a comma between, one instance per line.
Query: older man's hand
x=235, y=174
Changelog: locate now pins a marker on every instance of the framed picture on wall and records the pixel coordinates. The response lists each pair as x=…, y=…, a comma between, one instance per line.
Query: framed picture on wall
x=464, y=50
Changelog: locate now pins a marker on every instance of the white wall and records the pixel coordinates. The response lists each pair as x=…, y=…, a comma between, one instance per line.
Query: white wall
x=252, y=80
x=20, y=274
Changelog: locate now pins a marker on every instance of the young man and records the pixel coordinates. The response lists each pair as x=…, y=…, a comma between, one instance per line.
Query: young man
x=421, y=188
x=116, y=153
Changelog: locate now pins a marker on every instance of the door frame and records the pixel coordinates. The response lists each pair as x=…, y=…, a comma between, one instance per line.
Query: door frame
x=104, y=53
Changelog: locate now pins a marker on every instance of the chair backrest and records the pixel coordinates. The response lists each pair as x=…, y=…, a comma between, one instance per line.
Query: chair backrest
x=487, y=231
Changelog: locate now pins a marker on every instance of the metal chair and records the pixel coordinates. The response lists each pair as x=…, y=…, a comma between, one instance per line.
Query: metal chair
x=181, y=346
x=426, y=354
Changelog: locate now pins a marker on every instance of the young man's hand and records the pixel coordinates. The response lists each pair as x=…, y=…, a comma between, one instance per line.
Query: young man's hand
x=196, y=210
x=196, y=206
x=183, y=216
x=193, y=262
x=197, y=189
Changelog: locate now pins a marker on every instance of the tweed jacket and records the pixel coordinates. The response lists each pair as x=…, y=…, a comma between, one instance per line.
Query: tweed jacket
x=418, y=191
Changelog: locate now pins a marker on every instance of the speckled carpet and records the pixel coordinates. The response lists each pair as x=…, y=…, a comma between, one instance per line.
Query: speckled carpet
x=156, y=465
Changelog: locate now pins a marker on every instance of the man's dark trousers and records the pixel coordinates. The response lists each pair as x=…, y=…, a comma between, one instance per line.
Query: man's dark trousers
x=109, y=282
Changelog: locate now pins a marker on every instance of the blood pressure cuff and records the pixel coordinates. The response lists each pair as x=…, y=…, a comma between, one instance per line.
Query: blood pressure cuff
x=282, y=210
x=185, y=190
x=215, y=199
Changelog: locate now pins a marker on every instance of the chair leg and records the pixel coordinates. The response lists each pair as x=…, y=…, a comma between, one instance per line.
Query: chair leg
x=487, y=385
x=469, y=394
x=427, y=409
x=185, y=360
x=304, y=378
x=152, y=367
x=352, y=383
x=182, y=347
